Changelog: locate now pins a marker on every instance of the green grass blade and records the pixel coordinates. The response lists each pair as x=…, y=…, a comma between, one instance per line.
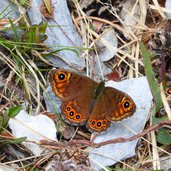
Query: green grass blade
x=14, y=29
x=12, y=112
x=151, y=77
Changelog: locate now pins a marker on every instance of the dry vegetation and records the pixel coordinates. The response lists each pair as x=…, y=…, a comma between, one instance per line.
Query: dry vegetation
x=24, y=68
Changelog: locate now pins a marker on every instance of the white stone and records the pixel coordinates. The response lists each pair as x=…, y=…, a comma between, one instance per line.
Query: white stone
x=168, y=7
x=35, y=128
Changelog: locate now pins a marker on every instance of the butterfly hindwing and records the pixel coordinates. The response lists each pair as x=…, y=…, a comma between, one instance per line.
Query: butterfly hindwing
x=98, y=120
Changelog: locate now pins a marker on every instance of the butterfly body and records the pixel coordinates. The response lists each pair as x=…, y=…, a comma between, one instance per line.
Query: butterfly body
x=85, y=101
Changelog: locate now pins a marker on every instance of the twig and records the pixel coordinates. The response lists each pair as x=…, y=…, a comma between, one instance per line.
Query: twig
x=113, y=141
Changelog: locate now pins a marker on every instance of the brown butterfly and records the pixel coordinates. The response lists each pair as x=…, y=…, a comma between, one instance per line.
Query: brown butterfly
x=85, y=101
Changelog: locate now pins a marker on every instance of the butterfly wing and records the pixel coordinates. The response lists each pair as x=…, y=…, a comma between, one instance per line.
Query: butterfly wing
x=66, y=84
x=76, y=92
x=119, y=105
x=76, y=110
x=98, y=120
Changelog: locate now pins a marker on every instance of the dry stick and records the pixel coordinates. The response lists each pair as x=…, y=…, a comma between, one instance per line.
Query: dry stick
x=113, y=141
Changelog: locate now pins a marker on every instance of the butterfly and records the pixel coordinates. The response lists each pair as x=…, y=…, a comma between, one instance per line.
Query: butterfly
x=86, y=102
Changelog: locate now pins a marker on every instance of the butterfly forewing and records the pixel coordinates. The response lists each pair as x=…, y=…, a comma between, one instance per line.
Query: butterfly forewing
x=118, y=104
x=64, y=84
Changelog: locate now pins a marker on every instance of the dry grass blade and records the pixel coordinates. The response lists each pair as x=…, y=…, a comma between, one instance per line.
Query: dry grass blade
x=26, y=56
x=165, y=102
